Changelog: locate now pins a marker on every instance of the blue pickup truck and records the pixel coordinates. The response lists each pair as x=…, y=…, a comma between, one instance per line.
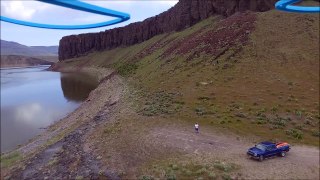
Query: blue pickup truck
x=268, y=149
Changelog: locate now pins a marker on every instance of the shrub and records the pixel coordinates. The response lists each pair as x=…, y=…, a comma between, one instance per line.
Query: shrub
x=226, y=177
x=261, y=122
x=275, y=127
x=127, y=69
x=274, y=109
x=200, y=111
x=316, y=133
x=171, y=176
x=201, y=171
x=298, y=113
x=146, y=177
x=188, y=172
x=212, y=175
x=300, y=127
x=279, y=122
x=295, y=133
x=174, y=167
x=222, y=122
x=79, y=177
x=222, y=166
x=203, y=98
x=309, y=122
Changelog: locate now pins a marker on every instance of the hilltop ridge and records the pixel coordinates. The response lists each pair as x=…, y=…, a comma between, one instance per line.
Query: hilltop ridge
x=183, y=15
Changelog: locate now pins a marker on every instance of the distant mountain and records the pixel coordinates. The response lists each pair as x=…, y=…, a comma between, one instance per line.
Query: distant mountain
x=21, y=61
x=13, y=48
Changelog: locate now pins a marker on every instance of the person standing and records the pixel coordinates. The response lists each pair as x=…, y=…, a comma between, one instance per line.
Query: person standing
x=196, y=127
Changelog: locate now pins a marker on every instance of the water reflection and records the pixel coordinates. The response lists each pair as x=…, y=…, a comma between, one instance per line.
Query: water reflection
x=32, y=99
x=76, y=87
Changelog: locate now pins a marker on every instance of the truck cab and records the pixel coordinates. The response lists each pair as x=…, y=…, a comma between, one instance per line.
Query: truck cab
x=268, y=149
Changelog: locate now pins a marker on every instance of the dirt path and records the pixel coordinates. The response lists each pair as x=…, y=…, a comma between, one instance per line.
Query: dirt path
x=301, y=162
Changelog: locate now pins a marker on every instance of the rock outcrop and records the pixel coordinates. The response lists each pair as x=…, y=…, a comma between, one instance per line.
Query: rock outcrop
x=184, y=14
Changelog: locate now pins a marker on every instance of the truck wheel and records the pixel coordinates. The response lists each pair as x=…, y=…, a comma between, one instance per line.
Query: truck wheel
x=261, y=158
x=283, y=154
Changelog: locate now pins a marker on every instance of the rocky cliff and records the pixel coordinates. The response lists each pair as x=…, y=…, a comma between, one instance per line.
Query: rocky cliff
x=184, y=14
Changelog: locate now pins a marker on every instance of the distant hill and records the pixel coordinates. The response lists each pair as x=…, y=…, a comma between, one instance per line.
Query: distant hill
x=13, y=48
x=21, y=61
x=14, y=54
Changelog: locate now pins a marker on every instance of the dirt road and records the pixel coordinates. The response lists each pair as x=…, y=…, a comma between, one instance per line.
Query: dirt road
x=302, y=162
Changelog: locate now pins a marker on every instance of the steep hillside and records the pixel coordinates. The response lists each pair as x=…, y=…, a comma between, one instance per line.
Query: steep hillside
x=235, y=73
x=21, y=61
x=183, y=15
x=13, y=48
x=245, y=78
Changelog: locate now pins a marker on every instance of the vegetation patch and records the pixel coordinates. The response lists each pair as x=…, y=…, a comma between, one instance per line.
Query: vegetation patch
x=161, y=103
x=215, y=170
x=10, y=159
x=127, y=69
x=113, y=128
x=295, y=133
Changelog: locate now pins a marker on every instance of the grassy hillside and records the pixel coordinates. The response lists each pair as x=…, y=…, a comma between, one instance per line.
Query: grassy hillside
x=251, y=74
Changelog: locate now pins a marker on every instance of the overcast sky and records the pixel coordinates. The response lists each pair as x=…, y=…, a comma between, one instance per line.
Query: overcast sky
x=36, y=11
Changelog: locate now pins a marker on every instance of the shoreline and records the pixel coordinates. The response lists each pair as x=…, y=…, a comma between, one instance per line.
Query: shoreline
x=61, y=128
x=18, y=147
x=20, y=67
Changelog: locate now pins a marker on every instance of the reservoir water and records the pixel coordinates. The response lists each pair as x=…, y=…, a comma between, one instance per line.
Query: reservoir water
x=33, y=98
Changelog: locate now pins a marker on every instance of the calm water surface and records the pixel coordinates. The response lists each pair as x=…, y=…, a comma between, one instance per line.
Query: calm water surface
x=32, y=99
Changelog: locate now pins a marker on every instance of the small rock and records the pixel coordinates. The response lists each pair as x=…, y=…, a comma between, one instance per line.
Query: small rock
x=99, y=157
x=203, y=83
x=240, y=115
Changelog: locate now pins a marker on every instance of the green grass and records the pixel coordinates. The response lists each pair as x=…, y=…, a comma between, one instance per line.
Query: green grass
x=10, y=159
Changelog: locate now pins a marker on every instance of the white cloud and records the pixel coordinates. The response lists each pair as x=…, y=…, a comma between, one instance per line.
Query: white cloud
x=51, y=14
x=21, y=9
x=28, y=113
x=169, y=2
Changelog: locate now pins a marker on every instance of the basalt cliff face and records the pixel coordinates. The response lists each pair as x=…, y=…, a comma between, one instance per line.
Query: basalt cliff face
x=184, y=14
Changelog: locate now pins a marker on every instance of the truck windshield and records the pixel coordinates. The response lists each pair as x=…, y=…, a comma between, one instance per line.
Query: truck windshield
x=260, y=146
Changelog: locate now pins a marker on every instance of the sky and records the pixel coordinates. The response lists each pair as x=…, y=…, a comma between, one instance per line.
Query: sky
x=35, y=11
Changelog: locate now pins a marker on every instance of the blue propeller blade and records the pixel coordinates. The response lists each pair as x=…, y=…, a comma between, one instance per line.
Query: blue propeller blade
x=286, y=5
x=77, y=5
